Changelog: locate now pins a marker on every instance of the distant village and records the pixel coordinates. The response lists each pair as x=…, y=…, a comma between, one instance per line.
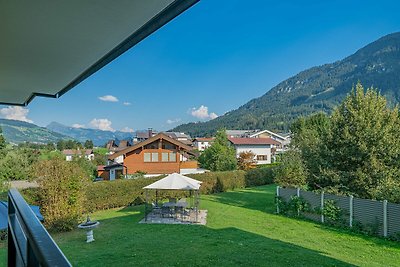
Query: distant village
x=153, y=153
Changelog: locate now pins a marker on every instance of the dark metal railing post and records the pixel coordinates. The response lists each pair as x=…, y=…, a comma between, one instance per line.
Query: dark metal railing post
x=29, y=244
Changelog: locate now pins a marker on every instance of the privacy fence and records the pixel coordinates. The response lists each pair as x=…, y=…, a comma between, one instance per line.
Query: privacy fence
x=378, y=217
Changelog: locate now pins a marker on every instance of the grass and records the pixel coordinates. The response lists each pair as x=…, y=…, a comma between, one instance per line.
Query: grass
x=241, y=230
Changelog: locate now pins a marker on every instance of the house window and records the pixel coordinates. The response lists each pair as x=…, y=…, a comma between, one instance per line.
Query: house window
x=262, y=157
x=172, y=156
x=168, y=146
x=154, y=157
x=147, y=157
x=164, y=157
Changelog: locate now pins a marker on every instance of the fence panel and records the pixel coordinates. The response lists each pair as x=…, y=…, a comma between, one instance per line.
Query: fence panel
x=315, y=201
x=366, y=212
x=286, y=193
x=343, y=202
x=369, y=213
x=393, y=219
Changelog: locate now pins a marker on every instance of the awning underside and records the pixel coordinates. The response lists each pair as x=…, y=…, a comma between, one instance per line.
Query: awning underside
x=47, y=47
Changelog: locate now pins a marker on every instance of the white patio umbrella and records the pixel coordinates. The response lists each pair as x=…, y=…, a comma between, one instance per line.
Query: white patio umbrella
x=176, y=181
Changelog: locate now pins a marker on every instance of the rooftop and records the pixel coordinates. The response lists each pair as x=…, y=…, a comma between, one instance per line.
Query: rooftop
x=253, y=141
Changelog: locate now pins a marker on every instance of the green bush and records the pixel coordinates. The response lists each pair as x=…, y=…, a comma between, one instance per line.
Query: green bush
x=215, y=182
x=261, y=176
x=294, y=207
x=61, y=193
x=112, y=194
x=119, y=193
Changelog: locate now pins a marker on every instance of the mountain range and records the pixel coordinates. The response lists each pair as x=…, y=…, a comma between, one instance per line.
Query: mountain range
x=98, y=137
x=19, y=131
x=316, y=89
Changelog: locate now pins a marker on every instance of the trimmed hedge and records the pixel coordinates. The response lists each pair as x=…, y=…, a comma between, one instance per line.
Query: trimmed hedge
x=119, y=193
x=113, y=194
x=215, y=182
x=261, y=176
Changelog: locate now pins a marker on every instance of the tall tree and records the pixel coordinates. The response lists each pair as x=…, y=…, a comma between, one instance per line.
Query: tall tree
x=88, y=144
x=365, y=142
x=220, y=156
x=356, y=150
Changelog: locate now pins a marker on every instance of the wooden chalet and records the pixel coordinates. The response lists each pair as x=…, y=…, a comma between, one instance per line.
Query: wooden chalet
x=159, y=154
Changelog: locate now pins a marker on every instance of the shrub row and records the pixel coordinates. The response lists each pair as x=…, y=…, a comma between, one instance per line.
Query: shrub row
x=260, y=176
x=119, y=193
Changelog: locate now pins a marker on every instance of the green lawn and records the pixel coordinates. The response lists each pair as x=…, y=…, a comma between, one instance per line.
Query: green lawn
x=241, y=230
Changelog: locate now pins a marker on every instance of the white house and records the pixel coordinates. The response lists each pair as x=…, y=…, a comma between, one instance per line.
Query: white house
x=262, y=148
x=202, y=143
x=283, y=140
x=71, y=153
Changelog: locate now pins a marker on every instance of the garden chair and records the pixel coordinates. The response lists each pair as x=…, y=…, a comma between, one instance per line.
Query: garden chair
x=166, y=212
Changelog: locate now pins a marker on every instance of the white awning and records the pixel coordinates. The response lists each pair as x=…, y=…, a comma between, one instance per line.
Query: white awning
x=48, y=47
x=175, y=181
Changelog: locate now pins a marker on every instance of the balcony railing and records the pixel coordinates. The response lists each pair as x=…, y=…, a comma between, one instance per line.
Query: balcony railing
x=29, y=244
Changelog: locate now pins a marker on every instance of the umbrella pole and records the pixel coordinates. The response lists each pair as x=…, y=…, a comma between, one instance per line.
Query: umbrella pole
x=156, y=198
x=197, y=204
x=145, y=205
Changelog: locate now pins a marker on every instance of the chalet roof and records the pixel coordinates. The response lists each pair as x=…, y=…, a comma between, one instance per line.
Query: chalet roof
x=175, y=181
x=253, y=141
x=112, y=166
x=100, y=168
x=178, y=135
x=149, y=141
x=70, y=40
x=144, y=134
x=186, y=142
x=269, y=132
x=239, y=133
x=204, y=139
x=71, y=152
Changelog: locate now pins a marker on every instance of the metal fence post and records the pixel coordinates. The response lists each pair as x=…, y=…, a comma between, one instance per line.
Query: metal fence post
x=322, y=207
x=351, y=198
x=385, y=228
x=277, y=199
x=298, y=192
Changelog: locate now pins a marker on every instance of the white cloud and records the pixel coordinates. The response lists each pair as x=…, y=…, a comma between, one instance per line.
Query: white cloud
x=127, y=130
x=108, y=98
x=15, y=113
x=101, y=124
x=213, y=115
x=77, y=125
x=202, y=113
x=169, y=121
x=127, y=103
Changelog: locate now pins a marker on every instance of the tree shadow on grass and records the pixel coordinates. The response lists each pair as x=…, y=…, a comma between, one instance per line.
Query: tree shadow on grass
x=122, y=241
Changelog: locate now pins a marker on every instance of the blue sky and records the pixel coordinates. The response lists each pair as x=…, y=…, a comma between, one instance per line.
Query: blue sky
x=214, y=58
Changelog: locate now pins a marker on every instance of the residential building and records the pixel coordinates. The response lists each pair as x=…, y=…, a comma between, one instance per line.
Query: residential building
x=159, y=154
x=71, y=153
x=182, y=137
x=201, y=143
x=262, y=148
x=239, y=133
x=283, y=140
x=144, y=135
x=116, y=145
